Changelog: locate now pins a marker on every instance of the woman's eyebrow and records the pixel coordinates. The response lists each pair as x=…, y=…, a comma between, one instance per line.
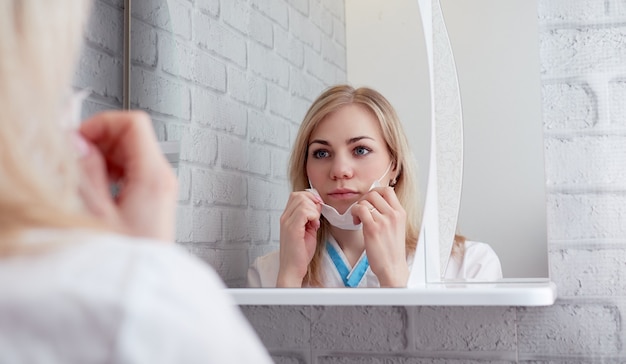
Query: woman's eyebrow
x=319, y=141
x=357, y=139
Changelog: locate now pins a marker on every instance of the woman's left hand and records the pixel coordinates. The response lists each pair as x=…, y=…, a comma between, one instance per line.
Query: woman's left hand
x=384, y=232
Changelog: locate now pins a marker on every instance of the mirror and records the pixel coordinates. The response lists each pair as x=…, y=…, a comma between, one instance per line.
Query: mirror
x=232, y=82
x=503, y=192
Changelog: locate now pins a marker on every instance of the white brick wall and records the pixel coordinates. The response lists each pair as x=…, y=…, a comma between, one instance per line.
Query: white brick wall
x=229, y=79
x=232, y=79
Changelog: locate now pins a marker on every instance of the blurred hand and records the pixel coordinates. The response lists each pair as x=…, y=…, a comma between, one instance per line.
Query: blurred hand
x=120, y=147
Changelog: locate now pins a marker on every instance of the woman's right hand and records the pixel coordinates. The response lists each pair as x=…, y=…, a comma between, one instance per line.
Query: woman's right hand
x=121, y=147
x=298, y=237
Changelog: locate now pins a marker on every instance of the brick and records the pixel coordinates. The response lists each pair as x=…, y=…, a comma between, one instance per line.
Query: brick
x=301, y=5
x=569, y=106
x=203, y=145
x=218, y=112
x=143, y=45
x=576, y=271
x=211, y=187
x=279, y=161
x=246, y=226
x=335, y=54
x=570, y=329
x=586, y=160
x=223, y=42
x=339, y=32
x=315, y=65
x=173, y=17
x=268, y=65
x=261, y=29
x=192, y=64
x=304, y=30
x=617, y=89
x=284, y=327
x=278, y=100
x=299, y=108
x=184, y=224
x=106, y=28
x=260, y=159
x=464, y=329
x=289, y=359
x=233, y=153
x=159, y=94
x=101, y=73
x=289, y=47
x=211, y=7
x=197, y=144
x=207, y=225
x=236, y=13
x=359, y=328
x=401, y=359
x=119, y=4
x=276, y=10
x=586, y=216
x=184, y=183
x=551, y=11
x=92, y=107
x=268, y=129
x=247, y=88
x=336, y=8
x=266, y=195
x=304, y=85
x=582, y=51
x=322, y=18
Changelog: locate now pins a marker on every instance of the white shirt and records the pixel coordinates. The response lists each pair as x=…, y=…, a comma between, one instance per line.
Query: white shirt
x=479, y=263
x=114, y=299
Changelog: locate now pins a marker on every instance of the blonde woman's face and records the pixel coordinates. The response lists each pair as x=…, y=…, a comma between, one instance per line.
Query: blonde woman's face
x=346, y=154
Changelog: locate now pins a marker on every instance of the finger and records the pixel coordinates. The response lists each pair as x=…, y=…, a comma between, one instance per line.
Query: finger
x=93, y=187
x=126, y=139
x=302, y=209
x=362, y=212
x=389, y=195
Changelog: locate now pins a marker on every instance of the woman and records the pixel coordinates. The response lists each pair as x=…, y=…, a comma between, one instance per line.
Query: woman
x=85, y=277
x=352, y=219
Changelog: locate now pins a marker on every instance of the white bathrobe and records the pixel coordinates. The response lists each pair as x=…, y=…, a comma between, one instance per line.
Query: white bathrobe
x=479, y=263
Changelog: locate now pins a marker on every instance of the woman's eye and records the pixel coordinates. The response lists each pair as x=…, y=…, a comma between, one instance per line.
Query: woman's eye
x=361, y=151
x=319, y=154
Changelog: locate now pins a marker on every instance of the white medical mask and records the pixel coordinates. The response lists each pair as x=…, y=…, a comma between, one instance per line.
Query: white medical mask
x=345, y=221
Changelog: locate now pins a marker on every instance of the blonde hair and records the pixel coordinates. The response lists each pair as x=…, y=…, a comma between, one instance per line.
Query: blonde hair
x=39, y=44
x=406, y=182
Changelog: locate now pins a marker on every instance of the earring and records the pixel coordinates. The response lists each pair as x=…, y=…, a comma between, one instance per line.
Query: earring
x=393, y=183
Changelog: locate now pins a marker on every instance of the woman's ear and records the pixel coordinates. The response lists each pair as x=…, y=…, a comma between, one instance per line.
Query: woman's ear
x=394, y=181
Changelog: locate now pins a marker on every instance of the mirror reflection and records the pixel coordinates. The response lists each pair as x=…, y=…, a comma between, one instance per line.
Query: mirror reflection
x=503, y=195
x=233, y=85
x=503, y=198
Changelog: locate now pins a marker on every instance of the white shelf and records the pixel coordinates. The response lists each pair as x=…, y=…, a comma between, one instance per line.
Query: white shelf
x=503, y=293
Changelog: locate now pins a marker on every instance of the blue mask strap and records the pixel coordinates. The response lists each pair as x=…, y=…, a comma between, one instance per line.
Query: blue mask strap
x=349, y=279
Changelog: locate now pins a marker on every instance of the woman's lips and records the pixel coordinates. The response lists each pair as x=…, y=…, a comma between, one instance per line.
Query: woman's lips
x=343, y=195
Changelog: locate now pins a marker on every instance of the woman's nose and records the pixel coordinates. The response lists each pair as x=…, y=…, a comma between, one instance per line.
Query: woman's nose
x=341, y=168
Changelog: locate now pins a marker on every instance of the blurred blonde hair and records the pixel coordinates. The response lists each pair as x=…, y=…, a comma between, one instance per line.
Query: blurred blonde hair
x=403, y=161
x=39, y=46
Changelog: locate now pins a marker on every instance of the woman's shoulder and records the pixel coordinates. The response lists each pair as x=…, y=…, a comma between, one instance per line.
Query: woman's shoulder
x=263, y=272
x=479, y=262
x=133, y=288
